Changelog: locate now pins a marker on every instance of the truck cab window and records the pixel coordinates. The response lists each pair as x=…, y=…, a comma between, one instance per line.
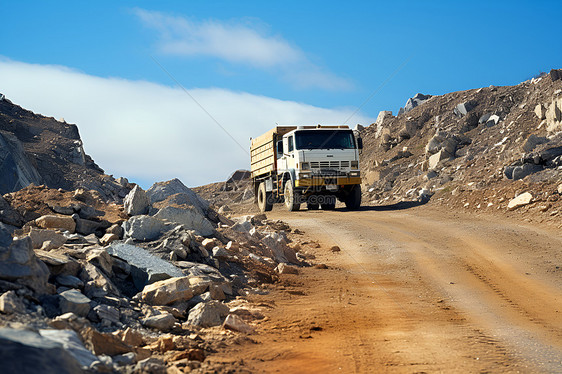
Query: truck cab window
x=290, y=141
x=279, y=148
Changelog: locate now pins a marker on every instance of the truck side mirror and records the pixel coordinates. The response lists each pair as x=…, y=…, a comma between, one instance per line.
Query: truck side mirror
x=360, y=143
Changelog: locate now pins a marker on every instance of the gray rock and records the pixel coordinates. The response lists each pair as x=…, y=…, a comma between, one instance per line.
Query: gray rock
x=151, y=365
x=70, y=341
x=162, y=322
x=243, y=224
x=520, y=172
x=97, y=284
x=136, y=202
x=493, y=120
x=463, y=108
x=75, y=302
x=191, y=218
x=107, y=314
x=5, y=235
x=11, y=303
x=508, y=171
x=208, y=314
x=413, y=102
x=86, y=226
x=220, y=253
x=145, y=267
x=484, y=118
x=533, y=141
x=101, y=259
x=277, y=245
x=238, y=176
x=162, y=190
x=27, y=352
x=144, y=228
x=69, y=281
x=19, y=264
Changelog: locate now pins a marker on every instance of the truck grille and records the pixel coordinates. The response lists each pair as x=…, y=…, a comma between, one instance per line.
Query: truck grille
x=329, y=164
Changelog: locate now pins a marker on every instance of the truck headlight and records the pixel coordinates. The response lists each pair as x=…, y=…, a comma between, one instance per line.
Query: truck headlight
x=354, y=173
x=355, y=164
x=304, y=175
x=305, y=165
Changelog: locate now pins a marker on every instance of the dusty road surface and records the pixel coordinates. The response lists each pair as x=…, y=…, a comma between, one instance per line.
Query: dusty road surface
x=414, y=290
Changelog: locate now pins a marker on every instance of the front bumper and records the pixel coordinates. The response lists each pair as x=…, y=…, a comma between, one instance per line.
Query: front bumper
x=327, y=180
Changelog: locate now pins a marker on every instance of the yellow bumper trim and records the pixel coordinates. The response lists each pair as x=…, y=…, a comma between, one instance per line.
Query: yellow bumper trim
x=342, y=181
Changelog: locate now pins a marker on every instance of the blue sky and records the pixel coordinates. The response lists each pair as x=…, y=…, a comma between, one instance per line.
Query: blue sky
x=251, y=64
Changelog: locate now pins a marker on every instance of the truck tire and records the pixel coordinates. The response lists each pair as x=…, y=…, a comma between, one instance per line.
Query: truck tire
x=292, y=197
x=264, y=199
x=353, y=200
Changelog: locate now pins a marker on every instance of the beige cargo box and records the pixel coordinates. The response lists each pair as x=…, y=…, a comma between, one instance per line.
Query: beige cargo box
x=262, y=150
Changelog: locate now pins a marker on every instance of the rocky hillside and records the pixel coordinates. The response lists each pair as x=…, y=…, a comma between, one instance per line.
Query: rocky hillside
x=474, y=149
x=45, y=151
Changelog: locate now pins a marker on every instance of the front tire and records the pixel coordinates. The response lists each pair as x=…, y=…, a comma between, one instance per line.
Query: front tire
x=264, y=199
x=353, y=200
x=292, y=197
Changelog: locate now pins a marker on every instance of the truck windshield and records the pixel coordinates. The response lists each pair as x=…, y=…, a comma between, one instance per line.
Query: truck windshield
x=324, y=139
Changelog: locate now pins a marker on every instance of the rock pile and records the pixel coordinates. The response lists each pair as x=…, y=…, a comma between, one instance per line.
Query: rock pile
x=139, y=287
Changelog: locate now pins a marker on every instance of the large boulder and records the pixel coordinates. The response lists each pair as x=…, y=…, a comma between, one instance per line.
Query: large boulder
x=190, y=217
x=136, y=202
x=27, y=352
x=18, y=264
x=162, y=190
x=208, y=314
x=145, y=267
x=144, y=228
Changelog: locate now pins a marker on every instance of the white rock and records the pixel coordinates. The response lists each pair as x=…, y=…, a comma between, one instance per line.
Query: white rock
x=208, y=314
x=519, y=201
x=136, y=202
x=234, y=322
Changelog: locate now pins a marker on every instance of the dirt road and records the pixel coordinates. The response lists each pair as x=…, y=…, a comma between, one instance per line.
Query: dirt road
x=415, y=290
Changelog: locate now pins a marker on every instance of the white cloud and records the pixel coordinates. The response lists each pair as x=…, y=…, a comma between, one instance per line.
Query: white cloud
x=151, y=132
x=238, y=43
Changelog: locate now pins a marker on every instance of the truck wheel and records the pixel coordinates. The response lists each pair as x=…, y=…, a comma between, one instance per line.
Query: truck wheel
x=264, y=199
x=292, y=197
x=353, y=200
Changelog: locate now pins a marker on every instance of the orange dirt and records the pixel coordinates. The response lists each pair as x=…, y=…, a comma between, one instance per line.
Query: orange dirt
x=418, y=290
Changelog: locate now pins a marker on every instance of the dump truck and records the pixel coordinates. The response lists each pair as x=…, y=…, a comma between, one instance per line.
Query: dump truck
x=312, y=165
